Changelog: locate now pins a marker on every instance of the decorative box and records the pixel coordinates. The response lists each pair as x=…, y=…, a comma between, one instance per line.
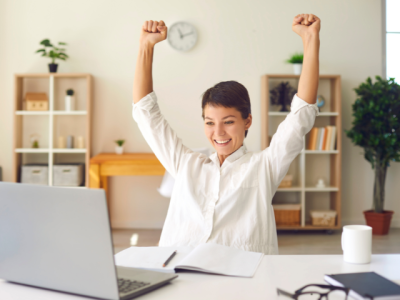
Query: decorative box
x=323, y=217
x=68, y=174
x=286, y=182
x=36, y=101
x=287, y=214
x=35, y=174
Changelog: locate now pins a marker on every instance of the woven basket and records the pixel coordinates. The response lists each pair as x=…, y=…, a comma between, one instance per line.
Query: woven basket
x=323, y=218
x=287, y=214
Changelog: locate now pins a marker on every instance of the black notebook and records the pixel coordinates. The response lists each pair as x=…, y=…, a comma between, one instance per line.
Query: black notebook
x=368, y=285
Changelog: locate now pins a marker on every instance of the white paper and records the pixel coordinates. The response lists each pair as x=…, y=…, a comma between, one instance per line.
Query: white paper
x=223, y=260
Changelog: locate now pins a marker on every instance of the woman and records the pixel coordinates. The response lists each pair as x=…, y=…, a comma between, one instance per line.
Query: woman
x=225, y=198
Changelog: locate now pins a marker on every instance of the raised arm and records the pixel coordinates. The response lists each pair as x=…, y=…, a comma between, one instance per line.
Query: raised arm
x=152, y=32
x=307, y=26
x=288, y=140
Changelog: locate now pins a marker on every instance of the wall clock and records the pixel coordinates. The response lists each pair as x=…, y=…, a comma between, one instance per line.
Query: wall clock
x=182, y=36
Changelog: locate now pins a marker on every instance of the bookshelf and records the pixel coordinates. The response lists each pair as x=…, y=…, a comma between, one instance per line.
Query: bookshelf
x=51, y=124
x=309, y=164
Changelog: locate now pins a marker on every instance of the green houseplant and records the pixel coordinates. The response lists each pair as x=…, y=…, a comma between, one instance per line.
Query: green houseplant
x=297, y=61
x=119, y=148
x=376, y=128
x=53, y=52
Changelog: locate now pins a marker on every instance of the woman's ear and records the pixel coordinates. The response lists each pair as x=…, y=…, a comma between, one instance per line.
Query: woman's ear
x=248, y=122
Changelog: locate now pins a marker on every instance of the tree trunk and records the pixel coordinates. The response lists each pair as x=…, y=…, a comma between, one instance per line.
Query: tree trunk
x=379, y=185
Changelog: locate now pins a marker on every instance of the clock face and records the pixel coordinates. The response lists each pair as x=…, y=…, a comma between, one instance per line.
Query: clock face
x=182, y=36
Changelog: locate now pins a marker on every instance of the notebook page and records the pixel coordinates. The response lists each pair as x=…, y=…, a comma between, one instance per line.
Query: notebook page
x=150, y=258
x=223, y=260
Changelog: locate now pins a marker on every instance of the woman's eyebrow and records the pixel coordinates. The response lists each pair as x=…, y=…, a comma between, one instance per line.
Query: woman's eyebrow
x=222, y=118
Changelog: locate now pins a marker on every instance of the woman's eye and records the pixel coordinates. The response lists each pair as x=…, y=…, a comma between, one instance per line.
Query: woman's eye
x=209, y=123
x=229, y=122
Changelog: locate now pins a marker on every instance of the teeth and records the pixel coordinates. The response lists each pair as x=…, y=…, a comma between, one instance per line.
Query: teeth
x=222, y=142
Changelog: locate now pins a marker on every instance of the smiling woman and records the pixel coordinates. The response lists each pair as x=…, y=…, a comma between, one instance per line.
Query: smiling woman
x=227, y=116
x=225, y=198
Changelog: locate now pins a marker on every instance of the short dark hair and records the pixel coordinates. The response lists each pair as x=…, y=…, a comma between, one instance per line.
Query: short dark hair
x=228, y=94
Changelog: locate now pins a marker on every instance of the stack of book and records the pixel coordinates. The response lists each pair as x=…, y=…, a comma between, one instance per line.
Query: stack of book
x=322, y=138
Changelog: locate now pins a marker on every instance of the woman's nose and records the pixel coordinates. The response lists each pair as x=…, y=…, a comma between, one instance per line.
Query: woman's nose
x=220, y=130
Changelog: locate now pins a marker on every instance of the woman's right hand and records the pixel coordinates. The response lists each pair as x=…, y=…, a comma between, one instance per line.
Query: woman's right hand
x=153, y=32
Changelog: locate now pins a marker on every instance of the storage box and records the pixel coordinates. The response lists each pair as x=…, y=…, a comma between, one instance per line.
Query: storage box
x=36, y=102
x=287, y=214
x=286, y=182
x=35, y=174
x=68, y=174
x=323, y=217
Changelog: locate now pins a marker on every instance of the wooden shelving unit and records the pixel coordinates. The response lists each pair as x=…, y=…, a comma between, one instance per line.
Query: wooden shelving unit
x=52, y=123
x=309, y=162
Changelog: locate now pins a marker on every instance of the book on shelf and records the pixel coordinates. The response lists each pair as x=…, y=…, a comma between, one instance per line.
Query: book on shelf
x=322, y=138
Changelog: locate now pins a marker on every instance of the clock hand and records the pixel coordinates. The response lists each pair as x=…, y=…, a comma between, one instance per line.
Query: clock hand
x=187, y=34
x=180, y=33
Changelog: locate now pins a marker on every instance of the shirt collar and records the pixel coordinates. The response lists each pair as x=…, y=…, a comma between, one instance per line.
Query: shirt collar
x=231, y=158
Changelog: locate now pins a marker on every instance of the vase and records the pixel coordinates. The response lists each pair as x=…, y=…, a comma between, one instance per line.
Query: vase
x=380, y=222
x=297, y=69
x=53, y=68
x=119, y=149
x=69, y=103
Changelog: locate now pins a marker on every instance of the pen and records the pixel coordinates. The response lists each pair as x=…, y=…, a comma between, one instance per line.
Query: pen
x=169, y=259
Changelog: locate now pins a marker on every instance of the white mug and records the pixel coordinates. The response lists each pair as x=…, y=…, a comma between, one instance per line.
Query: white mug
x=357, y=244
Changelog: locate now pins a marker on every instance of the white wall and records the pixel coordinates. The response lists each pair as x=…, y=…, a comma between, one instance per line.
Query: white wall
x=238, y=40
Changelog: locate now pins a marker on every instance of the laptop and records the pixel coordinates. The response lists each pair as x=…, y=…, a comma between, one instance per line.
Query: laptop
x=60, y=239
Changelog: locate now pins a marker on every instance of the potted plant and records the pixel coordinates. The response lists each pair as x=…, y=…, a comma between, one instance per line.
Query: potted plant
x=119, y=149
x=376, y=128
x=297, y=61
x=70, y=100
x=54, y=53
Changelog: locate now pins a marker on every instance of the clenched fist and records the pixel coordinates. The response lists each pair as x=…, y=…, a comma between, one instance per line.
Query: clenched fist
x=306, y=24
x=153, y=32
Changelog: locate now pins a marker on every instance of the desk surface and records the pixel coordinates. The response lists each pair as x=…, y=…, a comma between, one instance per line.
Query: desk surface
x=112, y=157
x=288, y=272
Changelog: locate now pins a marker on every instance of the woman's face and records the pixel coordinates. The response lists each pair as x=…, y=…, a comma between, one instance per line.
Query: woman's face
x=225, y=128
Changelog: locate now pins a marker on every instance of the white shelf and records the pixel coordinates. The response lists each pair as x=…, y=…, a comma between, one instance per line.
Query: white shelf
x=325, y=189
x=32, y=113
x=70, y=113
x=320, y=151
x=321, y=114
x=32, y=150
x=63, y=150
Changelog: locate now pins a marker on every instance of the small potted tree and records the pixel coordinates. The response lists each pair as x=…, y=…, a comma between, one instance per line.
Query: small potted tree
x=53, y=53
x=297, y=61
x=376, y=128
x=119, y=149
x=69, y=100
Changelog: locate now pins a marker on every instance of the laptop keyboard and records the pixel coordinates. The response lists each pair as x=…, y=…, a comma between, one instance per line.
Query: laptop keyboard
x=126, y=285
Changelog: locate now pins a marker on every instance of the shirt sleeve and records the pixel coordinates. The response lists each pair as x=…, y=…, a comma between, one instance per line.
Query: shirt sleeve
x=288, y=140
x=158, y=134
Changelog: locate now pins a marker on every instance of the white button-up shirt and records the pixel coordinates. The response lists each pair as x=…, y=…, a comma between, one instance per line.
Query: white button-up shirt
x=229, y=204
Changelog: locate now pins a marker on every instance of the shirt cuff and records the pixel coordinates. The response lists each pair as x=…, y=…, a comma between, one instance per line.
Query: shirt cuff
x=298, y=103
x=146, y=103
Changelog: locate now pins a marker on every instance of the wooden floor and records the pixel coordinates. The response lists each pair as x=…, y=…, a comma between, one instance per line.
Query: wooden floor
x=289, y=242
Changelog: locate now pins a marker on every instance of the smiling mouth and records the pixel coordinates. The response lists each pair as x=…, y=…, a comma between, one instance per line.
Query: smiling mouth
x=222, y=143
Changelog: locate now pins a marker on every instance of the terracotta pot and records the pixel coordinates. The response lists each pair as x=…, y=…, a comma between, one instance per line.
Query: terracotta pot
x=380, y=222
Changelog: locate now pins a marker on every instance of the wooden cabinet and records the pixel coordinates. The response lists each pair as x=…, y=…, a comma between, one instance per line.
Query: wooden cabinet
x=47, y=126
x=309, y=165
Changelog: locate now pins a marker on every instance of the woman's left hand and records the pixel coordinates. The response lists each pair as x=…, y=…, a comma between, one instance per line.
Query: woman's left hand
x=306, y=24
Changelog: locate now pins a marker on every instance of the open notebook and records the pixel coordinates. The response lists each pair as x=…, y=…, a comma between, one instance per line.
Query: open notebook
x=207, y=258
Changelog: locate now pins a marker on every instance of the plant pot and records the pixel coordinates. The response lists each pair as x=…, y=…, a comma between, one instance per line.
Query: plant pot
x=53, y=68
x=380, y=222
x=297, y=69
x=119, y=149
x=69, y=103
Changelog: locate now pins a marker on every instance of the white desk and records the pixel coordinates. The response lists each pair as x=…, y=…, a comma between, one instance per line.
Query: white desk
x=288, y=272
